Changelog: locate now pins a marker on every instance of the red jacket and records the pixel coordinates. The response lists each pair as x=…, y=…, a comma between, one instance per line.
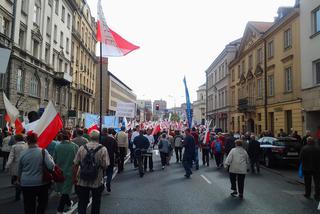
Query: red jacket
x=196, y=137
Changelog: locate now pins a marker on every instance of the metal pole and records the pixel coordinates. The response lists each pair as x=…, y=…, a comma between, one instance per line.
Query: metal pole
x=100, y=124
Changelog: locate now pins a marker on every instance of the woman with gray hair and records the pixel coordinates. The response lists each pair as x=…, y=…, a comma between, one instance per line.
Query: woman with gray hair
x=237, y=163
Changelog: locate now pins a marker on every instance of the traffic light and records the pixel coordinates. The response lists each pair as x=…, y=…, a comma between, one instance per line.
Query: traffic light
x=157, y=107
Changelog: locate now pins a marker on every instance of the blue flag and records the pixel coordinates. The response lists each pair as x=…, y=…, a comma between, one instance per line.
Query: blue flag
x=189, y=116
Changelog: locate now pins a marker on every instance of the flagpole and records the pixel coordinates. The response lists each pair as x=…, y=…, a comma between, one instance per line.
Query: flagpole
x=100, y=123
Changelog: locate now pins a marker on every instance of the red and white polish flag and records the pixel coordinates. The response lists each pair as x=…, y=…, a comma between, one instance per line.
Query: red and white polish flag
x=12, y=116
x=48, y=126
x=113, y=45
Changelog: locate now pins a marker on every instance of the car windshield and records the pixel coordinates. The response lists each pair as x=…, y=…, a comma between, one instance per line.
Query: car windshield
x=288, y=142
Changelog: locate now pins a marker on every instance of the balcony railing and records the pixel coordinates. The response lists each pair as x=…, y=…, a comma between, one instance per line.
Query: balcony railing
x=246, y=104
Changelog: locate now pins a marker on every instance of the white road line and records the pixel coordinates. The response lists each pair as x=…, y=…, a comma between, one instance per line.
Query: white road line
x=75, y=206
x=206, y=179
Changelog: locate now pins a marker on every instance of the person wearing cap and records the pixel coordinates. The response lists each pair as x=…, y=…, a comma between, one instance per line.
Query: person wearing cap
x=237, y=164
x=84, y=188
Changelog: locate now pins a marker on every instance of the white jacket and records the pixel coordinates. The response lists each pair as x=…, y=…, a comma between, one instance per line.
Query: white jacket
x=238, y=160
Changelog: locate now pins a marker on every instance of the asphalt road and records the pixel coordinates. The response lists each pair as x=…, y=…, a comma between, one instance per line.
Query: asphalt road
x=208, y=191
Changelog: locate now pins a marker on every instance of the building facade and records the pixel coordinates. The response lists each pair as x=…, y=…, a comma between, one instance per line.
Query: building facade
x=159, y=108
x=217, y=81
x=83, y=67
x=39, y=36
x=310, y=62
x=199, y=106
x=247, y=78
x=145, y=109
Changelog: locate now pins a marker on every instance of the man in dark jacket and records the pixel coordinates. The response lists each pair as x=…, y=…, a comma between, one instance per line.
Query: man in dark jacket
x=195, y=135
x=141, y=145
x=189, y=152
x=310, y=159
x=254, y=153
x=229, y=143
x=112, y=146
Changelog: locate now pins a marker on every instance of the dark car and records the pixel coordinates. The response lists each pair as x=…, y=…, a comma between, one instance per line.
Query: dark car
x=279, y=150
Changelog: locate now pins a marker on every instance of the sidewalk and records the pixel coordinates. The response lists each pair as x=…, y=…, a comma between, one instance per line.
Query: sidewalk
x=288, y=172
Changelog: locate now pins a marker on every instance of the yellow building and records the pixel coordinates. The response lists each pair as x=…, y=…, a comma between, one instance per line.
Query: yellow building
x=246, y=80
x=284, y=101
x=265, y=84
x=83, y=63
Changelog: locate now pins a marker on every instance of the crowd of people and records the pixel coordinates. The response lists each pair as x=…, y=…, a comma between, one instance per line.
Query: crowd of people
x=88, y=160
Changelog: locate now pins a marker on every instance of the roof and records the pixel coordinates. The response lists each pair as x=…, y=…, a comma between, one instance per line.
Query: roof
x=111, y=74
x=261, y=27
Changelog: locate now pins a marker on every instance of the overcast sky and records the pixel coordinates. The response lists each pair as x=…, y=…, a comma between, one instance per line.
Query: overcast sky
x=177, y=38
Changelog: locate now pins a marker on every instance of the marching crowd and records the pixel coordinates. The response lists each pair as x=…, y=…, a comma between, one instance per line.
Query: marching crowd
x=84, y=162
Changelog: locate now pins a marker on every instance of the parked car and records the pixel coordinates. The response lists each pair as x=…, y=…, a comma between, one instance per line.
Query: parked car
x=279, y=150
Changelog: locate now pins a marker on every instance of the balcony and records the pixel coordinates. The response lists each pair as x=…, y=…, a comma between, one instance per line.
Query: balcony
x=76, y=33
x=85, y=89
x=246, y=104
x=62, y=78
x=5, y=40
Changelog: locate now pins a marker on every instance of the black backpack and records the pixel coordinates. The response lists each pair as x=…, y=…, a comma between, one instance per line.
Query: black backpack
x=89, y=168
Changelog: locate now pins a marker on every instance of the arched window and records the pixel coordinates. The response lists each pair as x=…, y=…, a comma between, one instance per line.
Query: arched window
x=34, y=86
x=20, y=81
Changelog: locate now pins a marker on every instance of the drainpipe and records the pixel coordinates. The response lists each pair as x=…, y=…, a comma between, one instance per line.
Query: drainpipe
x=265, y=86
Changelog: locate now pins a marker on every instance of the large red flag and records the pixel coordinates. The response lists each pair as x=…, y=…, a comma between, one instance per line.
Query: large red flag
x=112, y=43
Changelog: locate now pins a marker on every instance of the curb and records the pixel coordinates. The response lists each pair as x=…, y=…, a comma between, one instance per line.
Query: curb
x=282, y=175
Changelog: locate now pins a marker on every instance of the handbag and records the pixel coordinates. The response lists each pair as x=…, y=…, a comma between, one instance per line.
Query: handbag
x=48, y=176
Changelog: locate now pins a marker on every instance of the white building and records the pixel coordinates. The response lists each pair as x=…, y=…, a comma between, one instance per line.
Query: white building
x=39, y=35
x=310, y=62
x=199, y=106
x=217, y=81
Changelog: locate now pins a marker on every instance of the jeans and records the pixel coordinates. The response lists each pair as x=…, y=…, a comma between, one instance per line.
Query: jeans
x=237, y=178
x=178, y=151
x=122, y=155
x=205, y=156
x=187, y=164
x=109, y=173
x=308, y=175
x=32, y=195
x=64, y=200
x=83, y=195
x=147, y=157
x=163, y=157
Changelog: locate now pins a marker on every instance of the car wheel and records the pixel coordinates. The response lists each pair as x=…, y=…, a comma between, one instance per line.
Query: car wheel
x=267, y=161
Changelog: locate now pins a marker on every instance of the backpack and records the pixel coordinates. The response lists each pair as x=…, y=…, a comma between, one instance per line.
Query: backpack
x=89, y=169
x=217, y=147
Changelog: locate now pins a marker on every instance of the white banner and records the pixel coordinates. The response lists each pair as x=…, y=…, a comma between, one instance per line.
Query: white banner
x=125, y=110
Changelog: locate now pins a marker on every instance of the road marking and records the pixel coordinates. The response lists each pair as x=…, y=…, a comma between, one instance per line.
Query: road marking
x=206, y=179
x=156, y=151
x=75, y=206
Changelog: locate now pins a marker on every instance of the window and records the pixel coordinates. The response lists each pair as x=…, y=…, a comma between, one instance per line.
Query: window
x=68, y=21
x=270, y=49
x=271, y=85
x=288, y=79
x=60, y=65
x=55, y=33
x=259, y=88
x=36, y=14
x=57, y=7
x=54, y=62
x=316, y=20
x=61, y=39
x=243, y=66
x=287, y=39
x=22, y=38
x=4, y=26
x=47, y=54
x=48, y=26
x=34, y=86
x=232, y=75
x=36, y=48
x=67, y=45
x=63, y=11
x=259, y=116
x=259, y=56
x=215, y=76
x=233, y=97
x=46, y=89
x=316, y=68
x=20, y=82
x=66, y=68
x=239, y=71
x=250, y=62
x=24, y=6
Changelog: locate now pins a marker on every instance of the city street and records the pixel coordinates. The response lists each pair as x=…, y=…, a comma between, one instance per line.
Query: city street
x=208, y=191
